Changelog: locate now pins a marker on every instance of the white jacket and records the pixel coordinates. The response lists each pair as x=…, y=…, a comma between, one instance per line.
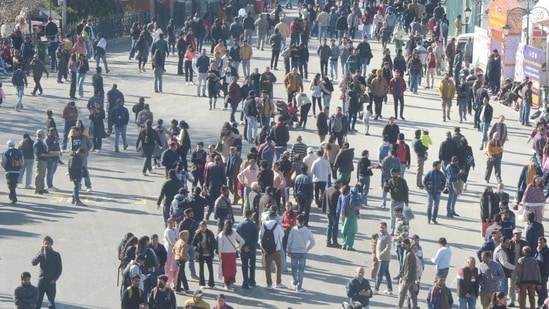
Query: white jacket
x=230, y=243
x=321, y=170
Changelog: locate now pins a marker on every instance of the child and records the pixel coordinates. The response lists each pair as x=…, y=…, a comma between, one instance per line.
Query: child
x=367, y=115
x=375, y=260
x=425, y=140
x=2, y=94
x=181, y=257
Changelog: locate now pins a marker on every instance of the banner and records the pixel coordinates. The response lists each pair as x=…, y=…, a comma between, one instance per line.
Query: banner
x=529, y=63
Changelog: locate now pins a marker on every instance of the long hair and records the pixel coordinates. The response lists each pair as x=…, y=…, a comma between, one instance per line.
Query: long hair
x=227, y=228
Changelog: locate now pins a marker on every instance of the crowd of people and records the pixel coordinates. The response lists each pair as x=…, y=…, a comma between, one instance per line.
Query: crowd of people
x=277, y=182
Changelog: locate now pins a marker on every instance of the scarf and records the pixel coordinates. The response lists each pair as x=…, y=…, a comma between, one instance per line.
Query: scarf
x=531, y=173
x=443, y=296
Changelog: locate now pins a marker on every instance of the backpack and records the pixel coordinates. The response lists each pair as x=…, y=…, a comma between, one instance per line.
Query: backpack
x=268, y=242
x=14, y=160
x=329, y=86
x=384, y=151
x=355, y=201
x=401, y=152
x=179, y=207
x=267, y=153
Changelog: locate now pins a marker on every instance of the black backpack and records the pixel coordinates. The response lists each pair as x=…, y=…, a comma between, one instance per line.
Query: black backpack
x=14, y=160
x=268, y=242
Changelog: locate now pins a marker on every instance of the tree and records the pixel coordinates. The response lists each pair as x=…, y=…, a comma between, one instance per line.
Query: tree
x=81, y=9
x=10, y=12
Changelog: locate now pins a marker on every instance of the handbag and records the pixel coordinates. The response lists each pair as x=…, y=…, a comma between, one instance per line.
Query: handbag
x=458, y=186
x=237, y=255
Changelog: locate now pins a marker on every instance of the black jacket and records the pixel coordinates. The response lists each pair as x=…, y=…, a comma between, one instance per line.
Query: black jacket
x=50, y=265
x=363, y=167
x=391, y=131
x=344, y=160
x=488, y=113
x=76, y=167
x=354, y=287
x=169, y=189
x=280, y=134
x=448, y=149
x=211, y=243
x=489, y=207
x=322, y=124
x=329, y=201
x=215, y=178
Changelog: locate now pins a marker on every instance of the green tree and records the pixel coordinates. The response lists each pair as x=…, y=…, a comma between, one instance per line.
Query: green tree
x=80, y=9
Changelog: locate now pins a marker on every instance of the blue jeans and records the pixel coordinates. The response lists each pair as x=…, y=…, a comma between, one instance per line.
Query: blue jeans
x=298, y=268
x=414, y=82
x=52, y=167
x=50, y=291
x=394, y=204
x=20, y=92
x=433, y=199
x=383, y=271
x=98, y=60
x=384, y=194
x=76, y=191
x=467, y=303
x=452, y=197
x=484, y=126
x=364, y=66
x=132, y=50
x=265, y=121
x=365, y=182
x=248, y=267
x=53, y=62
x=525, y=115
x=504, y=285
x=80, y=77
x=190, y=250
x=400, y=256
x=333, y=69
x=366, y=31
x=252, y=128
x=117, y=132
x=462, y=107
x=332, y=230
x=87, y=180
x=280, y=150
x=322, y=32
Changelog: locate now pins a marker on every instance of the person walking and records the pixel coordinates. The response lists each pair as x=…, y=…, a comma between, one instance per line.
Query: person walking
x=12, y=162
x=383, y=253
x=446, y=91
x=148, y=140
x=270, y=236
x=100, y=51
x=439, y=296
x=421, y=154
x=528, y=277
x=467, y=285
x=490, y=275
x=38, y=69
x=19, y=81
x=300, y=242
x=303, y=192
x=398, y=188
x=330, y=201
x=347, y=218
x=434, y=183
x=397, y=87
x=408, y=280
x=494, y=151
x=453, y=175
x=76, y=172
x=485, y=117
x=25, y=295
x=51, y=268
x=120, y=118
x=82, y=68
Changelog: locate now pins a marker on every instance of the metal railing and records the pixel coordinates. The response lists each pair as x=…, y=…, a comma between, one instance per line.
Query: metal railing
x=115, y=26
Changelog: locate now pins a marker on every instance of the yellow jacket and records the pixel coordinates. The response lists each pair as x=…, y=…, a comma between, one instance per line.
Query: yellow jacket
x=451, y=89
x=293, y=82
x=246, y=52
x=492, y=149
x=379, y=86
x=180, y=248
x=267, y=108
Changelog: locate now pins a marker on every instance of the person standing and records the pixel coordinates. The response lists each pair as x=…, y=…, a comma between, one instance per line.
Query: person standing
x=12, y=162
x=442, y=258
x=439, y=296
x=158, y=63
x=134, y=297
x=41, y=156
x=249, y=232
x=119, y=117
x=300, y=242
x=38, y=68
x=463, y=91
x=490, y=275
x=379, y=88
x=330, y=200
x=19, y=81
x=347, y=217
x=162, y=297
x=338, y=126
x=446, y=91
x=270, y=236
x=421, y=155
x=76, y=172
x=528, y=278
x=25, y=295
x=408, y=280
x=52, y=143
x=398, y=188
x=303, y=193
x=485, y=117
x=70, y=114
x=434, y=183
x=50, y=271
x=383, y=253
x=453, y=174
x=542, y=256
x=526, y=104
x=320, y=169
x=97, y=126
x=26, y=146
x=467, y=285
x=97, y=82
x=228, y=244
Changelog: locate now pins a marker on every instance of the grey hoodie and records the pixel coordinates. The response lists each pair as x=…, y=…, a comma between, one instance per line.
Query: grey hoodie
x=300, y=240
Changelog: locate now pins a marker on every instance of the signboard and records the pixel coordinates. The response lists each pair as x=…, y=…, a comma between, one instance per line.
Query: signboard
x=529, y=63
x=481, y=48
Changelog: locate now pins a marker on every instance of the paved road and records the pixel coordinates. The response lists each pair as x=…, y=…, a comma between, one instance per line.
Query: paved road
x=123, y=200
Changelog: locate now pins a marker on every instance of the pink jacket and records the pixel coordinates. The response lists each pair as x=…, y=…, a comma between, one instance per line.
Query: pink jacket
x=248, y=176
x=544, y=162
x=279, y=182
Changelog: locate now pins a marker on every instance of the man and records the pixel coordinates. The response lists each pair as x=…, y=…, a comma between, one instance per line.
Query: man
x=320, y=169
x=38, y=68
x=335, y=52
x=485, y=117
x=448, y=149
x=19, y=81
x=463, y=92
x=198, y=159
x=409, y=277
x=293, y=84
x=26, y=147
x=25, y=295
x=379, y=87
x=223, y=208
x=79, y=140
x=170, y=158
x=222, y=302
x=299, y=148
x=280, y=134
x=162, y=297
x=134, y=297
x=421, y=155
x=41, y=155
x=246, y=53
x=276, y=45
x=467, y=285
x=442, y=258
x=338, y=126
x=113, y=96
x=324, y=52
x=234, y=161
x=515, y=252
x=196, y=301
x=526, y=104
x=364, y=54
x=303, y=193
x=329, y=207
x=503, y=257
x=402, y=151
x=542, y=256
x=322, y=124
x=300, y=242
x=251, y=112
x=402, y=228
x=434, y=183
x=358, y=291
x=119, y=116
x=528, y=278
x=50, y=271
x=388, y=163
x=76, y=172
x=397, y=87
x=202, y=64
x=398, y=188
x=271, y=235
x=100, y=51
x=439, y=296
x=453, y=174
x=12, y=162
x=383, y=253
x=248, y=23
x=169, y=189
x=490, y=276
x=533, y=231
x=249, y=231
x=262, y=26
x=215, y=180
x=446, y=91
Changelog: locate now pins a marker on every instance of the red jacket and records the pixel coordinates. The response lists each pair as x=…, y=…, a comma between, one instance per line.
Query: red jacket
x=400, y=84
x=289, y=220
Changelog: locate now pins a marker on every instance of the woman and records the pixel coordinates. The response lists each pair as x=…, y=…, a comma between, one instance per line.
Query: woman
x=466, y=160
x=327, y=88
x=533, y=199
x=184, y=140
x=151, y=260
x=148, y=140
x=189, y=56
x=83, y=130
x=170, y=237
x=387, y=58
x=316, y=87
x=347, y=215
x=228, y=244
x=498, y=301
x=213, y=77
x=364, y=172
x=489, y=206
x=97, y=127
x=494, y=151
x=122, y=247
x=79, y=47
x=527, y=176
x=82, y=68
x=161, y=132
x=279, y=184
x=142, y=48
x=204, y=244
x=220, y=48
x=304, y=104
x=73, y=69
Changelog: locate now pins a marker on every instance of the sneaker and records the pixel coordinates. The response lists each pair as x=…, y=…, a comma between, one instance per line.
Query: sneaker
x=53, y=189
x=292, y=284
x=388, y=292
x=29, y=187
x=195, y=277
x=281, y=286
x=299, y=290
x=89, y=190
x=269, y=287
x=376, y=292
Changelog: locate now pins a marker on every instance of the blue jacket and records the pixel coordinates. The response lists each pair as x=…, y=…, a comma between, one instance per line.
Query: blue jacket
x=434, y=181
x=436, y=303
x=169, y=159
x=303, y=187
x=120, y=116
x=203, y=63
x=249, y=231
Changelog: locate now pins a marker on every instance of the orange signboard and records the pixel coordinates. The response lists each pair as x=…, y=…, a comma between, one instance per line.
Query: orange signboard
x=503, y=12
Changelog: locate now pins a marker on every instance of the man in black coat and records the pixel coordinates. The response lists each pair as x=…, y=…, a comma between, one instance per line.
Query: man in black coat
x=215, y=179
x=329, y=207
x=322, y=124
x=447, y=150
x=169, y=189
